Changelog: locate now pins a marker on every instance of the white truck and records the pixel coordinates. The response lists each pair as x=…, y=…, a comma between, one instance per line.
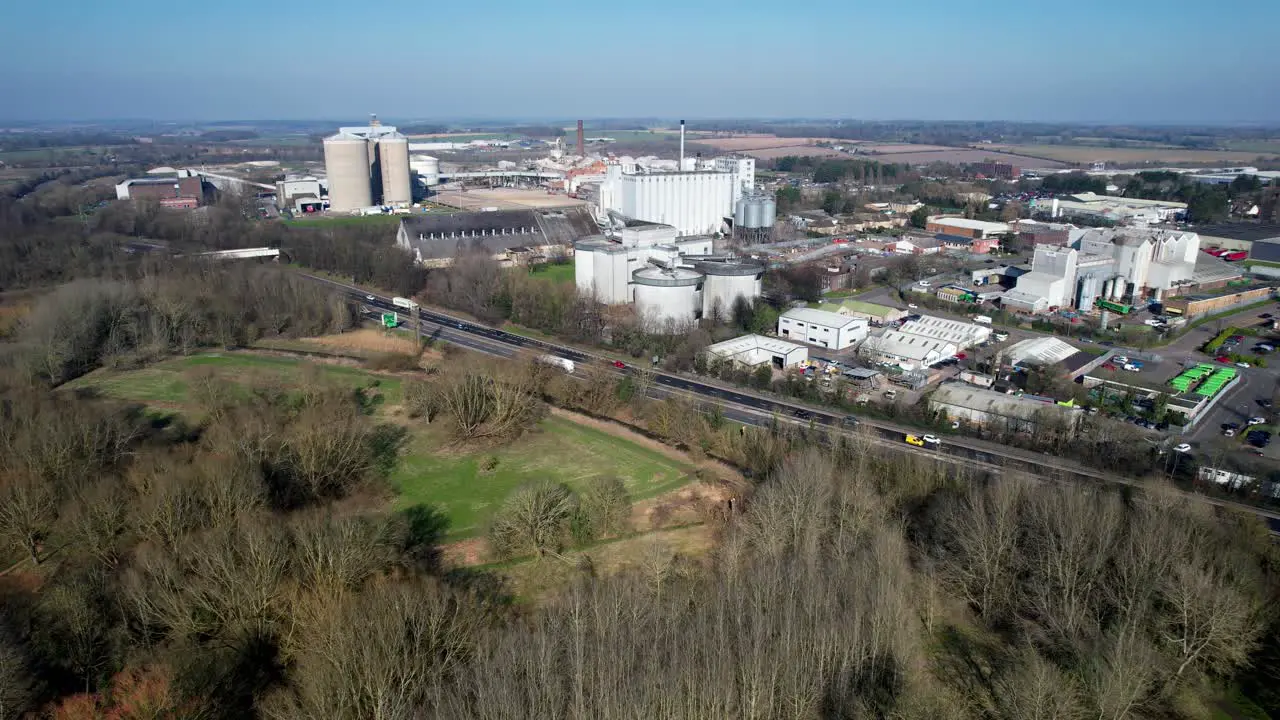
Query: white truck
x=982, y=320
x=562, y=363
x=404, y=303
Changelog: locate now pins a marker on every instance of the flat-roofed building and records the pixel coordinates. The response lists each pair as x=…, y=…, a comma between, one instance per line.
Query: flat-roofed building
x=756, y=350
x=965, y=227
x=819, y=327
x=876, y=314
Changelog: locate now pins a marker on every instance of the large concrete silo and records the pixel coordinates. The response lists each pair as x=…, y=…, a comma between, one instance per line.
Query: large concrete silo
x=393, y=157
x=346, y=162
x=726, y=282
x=667, y=294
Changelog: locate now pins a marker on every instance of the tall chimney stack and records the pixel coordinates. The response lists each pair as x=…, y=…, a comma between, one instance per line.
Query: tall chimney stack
x=582, y=142
x=681, y=168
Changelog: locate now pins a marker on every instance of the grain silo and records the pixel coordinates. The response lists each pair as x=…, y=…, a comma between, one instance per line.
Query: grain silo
x=393, y=157
x=726, y=281
x=346, y=162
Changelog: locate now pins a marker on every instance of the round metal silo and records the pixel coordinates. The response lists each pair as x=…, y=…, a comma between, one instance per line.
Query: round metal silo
x=753, y=211
x=768, y=211
x=393, y=155
x=428, y=169
x=740, y=212
x=346, y=162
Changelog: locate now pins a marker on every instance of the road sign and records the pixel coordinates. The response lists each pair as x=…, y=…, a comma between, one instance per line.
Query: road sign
x=390, y=320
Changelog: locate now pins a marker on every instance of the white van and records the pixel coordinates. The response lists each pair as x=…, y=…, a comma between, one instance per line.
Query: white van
x=982, y=320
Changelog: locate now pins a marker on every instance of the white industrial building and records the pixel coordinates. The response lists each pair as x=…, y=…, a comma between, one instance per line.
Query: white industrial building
x=910, y=352
x=1051, y=282
x=1039, y=351
x=367, y=166
x=996, y=410
x=978, y=229
x=961, y=334
x=1148, y=261
x=695, y=198
x=1120, y=210
x=755, y=350
x=819, y=327
x=668, y=278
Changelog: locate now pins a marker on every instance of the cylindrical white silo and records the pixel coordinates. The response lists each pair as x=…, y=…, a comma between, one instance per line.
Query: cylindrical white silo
x=393, y=155
x=740, y=212
x=728, y=281
x=1118, y=291
x=769, y=211
x=428, y=169
x=664, y=295
x=754, y=209
x=1108, y=287
x=346, y=161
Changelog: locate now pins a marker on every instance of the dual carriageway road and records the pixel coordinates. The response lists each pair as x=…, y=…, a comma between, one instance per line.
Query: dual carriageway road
x=757, y=410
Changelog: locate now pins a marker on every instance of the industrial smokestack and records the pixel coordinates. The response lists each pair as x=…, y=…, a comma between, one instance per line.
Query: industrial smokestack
x=582, y=142
x=681, y=167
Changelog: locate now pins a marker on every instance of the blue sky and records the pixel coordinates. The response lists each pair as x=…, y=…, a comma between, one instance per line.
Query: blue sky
x=1174, y=61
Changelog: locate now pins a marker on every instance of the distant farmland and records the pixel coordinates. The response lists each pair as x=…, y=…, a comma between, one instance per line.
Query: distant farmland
x=1136, y=157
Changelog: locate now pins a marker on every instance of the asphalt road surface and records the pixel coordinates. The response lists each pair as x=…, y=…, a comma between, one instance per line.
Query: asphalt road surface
x=752, y=409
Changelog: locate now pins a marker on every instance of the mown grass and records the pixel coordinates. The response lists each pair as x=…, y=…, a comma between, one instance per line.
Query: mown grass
x=467, y=486
x=169, y=381
x=561, y=273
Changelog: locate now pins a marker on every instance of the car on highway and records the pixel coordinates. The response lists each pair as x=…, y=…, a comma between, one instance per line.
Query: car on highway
x=619, y=364
x=932, y=441
x=1182, y=448
x=802, y=414
x=915, y=440
x=923, y=283
x=1257, y=421
x=1243, y=365
x=370, y=298
x=913, y=306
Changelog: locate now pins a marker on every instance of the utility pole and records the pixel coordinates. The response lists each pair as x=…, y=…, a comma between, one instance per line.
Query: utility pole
x=417, y=324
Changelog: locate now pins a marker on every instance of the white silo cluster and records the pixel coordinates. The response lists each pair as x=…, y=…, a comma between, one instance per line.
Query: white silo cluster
x=367, y=166
x=668, y=279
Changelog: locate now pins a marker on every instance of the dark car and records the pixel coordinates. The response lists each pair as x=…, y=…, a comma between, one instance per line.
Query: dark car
x=802, y=414
x=1264, y=402
x=1258, y=438
x=1230, y=426
x=1265, y=316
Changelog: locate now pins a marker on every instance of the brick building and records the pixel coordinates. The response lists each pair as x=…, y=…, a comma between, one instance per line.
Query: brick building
x=178, y=192
x=996, y=170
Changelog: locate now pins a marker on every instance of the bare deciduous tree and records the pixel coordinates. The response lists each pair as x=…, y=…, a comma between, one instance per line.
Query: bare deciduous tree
x=534, y=519
x=28, y=511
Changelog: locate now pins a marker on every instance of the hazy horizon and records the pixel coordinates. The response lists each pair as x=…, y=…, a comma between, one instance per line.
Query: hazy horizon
x=1146, y=62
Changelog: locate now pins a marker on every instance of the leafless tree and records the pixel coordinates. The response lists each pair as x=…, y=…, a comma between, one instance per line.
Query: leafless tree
x=604, y=508
x=984, y=528
x=1211, y=619
x=17, y=685
x=28, y=511
x=97, y=518
x=534, y=519
x=1033, y=689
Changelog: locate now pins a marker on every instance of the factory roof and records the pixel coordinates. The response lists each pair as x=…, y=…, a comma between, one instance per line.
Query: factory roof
x=952, y=331
x=497, y=220
x=1210, y=269
x=752, y=344
x=666, y=277
x=1040, y=351
x=991, y=402
x=909, y=347
x=1239, y=231
x=1265, y=250
x=992, y=227
x=822, y=318
x=1093, y=198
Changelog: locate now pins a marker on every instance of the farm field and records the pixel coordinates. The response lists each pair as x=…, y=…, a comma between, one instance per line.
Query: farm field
x=960, y=155
x=169, y=383
x=763, y=142
x=1134, y=156
x=456, y=482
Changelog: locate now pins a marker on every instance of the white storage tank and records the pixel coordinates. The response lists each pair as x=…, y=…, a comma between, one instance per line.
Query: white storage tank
x=346, y=161
x=667, y=294
x=427, y=167
x=728, y=281
x=393, y=155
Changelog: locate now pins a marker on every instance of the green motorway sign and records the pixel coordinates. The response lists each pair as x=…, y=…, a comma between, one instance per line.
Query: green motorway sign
x=390, y=320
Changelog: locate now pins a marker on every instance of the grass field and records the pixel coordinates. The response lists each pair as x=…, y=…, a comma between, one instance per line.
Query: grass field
x=560, y=450
x=563, y=273
x=169, y=382
x=388, y=220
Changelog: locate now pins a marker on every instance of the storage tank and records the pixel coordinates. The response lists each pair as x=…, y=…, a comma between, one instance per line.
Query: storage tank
x=740, y=213
x=428, y=169
x=393, y=155
x=346, y=161
x=769, y=212
x=728, y=281
x=663, y=294
x=753, y=211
